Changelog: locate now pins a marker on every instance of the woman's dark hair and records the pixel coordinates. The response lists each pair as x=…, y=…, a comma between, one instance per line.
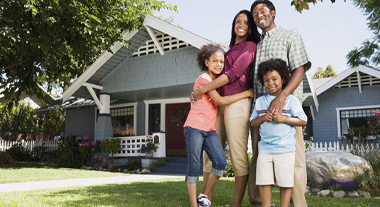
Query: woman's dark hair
x=273, y=64
x=266, y=2
x=205, y=53
x=253, y=34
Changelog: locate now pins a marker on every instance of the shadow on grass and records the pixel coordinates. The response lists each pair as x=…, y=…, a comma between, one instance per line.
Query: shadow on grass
x=20, y=164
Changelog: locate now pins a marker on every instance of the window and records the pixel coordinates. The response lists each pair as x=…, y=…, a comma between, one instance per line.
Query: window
x=355, y=118
x=154, y=118
x=122, y=121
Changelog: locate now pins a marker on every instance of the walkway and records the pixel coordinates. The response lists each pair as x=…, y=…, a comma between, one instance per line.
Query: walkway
x=25, y=186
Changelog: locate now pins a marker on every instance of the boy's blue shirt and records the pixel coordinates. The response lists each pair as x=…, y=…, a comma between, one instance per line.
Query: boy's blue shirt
x=277, y=138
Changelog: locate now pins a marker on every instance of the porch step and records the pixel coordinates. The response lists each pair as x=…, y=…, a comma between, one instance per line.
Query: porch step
x=175, y=165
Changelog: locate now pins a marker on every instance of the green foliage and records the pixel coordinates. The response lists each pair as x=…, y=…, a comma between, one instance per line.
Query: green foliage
x=111, y=146
x=370, y=181
x=133, y=164
x=150, y=145
x=54, y=41
x=329, y=72
x=18, y=152
x=373, y=124
x=304, y=4
x=5, y=159
x=74, y=152
x=42, y=154
x=51, y=123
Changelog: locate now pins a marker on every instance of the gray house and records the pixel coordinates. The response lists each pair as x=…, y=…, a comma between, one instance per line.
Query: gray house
x=142, y=89
x=345, y=101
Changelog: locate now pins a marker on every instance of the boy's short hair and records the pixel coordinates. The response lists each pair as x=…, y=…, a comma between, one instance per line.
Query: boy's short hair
x=266, y=2
x=274, y=64
x=205, y=53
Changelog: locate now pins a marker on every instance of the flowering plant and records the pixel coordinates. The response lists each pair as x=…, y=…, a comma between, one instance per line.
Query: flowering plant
x=150, y=145
x=373, y=124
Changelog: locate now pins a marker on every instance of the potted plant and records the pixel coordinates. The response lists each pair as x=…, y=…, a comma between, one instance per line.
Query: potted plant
x=149, y=147
x=111, y=145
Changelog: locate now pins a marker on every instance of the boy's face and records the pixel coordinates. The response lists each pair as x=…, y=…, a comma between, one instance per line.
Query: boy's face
x=215, y=63
x=273, y=82
x=263, y=17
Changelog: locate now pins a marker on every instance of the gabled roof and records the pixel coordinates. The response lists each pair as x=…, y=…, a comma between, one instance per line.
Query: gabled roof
x=108, y=62
x=357, y=76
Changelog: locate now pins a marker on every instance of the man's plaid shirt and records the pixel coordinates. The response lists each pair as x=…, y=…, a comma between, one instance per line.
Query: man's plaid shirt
x=283, y=44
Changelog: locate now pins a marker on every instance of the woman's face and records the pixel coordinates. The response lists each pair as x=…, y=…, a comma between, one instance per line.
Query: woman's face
x=241, y=26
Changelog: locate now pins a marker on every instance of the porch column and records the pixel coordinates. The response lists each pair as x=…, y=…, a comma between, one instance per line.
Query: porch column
x=104, y=123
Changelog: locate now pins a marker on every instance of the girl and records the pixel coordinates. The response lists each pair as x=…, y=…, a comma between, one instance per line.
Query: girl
x=277, y=144
x=199, y=128
x=233, y=119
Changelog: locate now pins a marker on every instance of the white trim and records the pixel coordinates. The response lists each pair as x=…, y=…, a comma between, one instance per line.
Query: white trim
x=97, y=101
x=359, y=81
x=93, y=86
x=313, y=92
x=349, y=108
x=153, y=36
x=163, y=103
x=312, y=112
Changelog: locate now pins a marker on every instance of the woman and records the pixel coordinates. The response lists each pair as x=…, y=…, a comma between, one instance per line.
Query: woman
x=233, y=120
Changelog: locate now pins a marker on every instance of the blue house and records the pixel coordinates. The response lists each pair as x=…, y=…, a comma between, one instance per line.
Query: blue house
x=345, y=101
x=142, y=88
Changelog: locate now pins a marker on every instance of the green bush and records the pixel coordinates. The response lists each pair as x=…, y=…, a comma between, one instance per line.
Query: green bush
x=5, y=159
x=370, y=181
x=41, y=154
x=75, y=152
x=111, y=146
x=19, y=153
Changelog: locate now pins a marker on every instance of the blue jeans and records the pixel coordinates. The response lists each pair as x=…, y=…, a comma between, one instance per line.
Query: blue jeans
x=196, y=142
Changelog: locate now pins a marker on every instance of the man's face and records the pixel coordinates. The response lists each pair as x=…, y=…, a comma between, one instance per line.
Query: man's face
x=263, y=17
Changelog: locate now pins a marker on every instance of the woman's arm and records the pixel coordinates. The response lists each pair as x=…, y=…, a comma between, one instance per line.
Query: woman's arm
x=217, y=83
x=225, y=100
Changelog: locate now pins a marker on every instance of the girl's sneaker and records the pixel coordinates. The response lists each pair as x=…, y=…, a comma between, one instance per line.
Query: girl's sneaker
x=203, y=201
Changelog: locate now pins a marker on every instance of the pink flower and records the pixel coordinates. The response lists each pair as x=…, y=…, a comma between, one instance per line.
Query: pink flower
x=369, y=122
x=369, y=132
x=80, y=144
x=377, y=112
x=85, y=144
x=93, y=143
x=374, y=123
x=96, y=157
x=158, y=144
x=85, y=137
x=376, y=117
x=100, y=158
x=92, y=149
x=149, y=136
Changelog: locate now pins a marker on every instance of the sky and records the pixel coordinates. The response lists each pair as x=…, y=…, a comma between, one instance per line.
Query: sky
x=328, y=30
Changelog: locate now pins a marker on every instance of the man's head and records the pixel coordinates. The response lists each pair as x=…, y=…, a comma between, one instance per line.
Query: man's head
x=263, y=13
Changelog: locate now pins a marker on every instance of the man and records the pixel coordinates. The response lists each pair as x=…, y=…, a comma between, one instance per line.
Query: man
x=288, y=46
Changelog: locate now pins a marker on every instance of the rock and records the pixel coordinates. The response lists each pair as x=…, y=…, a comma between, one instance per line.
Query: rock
x=315, y=191
x=339, y=194
x=125, y=171
x=324, y=193
x=366, y=194
x=353, y=194
x=145, y=171
x=336, y=165
x=138, y=171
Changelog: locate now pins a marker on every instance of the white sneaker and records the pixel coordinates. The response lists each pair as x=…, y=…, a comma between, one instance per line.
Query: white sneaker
x=203, y=201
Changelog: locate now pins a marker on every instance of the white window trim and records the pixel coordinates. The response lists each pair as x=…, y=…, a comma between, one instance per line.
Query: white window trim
x=349, y=108
x=134, y=104
x=163, y=103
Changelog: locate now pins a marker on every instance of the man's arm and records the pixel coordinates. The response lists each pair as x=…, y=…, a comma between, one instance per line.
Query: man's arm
x=279, y=102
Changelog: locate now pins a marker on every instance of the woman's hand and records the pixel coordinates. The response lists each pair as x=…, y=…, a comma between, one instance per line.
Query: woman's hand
x=196, y=95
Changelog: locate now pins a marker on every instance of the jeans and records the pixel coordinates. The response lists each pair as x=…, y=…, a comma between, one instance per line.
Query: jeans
x=196, y=142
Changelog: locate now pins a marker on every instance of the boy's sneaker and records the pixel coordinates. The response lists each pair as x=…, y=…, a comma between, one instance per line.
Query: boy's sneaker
x=203, y=201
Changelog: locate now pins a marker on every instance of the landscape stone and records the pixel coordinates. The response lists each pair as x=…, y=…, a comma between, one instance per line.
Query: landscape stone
x=334, y=165
x=324, y=193
x=353, y=194
x=339, y=194
x=315, y=191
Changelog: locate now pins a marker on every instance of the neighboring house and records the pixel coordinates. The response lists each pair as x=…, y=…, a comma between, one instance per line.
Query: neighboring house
x=31, y=100
x=345, y=101
x=142, y=88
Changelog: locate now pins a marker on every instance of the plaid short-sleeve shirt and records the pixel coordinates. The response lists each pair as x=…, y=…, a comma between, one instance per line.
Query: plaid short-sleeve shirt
x=283, y=44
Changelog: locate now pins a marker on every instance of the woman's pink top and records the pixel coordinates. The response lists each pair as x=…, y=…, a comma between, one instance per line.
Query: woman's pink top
x=202, y=114
x=237, y=67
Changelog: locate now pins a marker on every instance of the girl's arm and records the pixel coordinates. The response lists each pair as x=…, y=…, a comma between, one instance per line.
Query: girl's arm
x=226, y=100
x=293, y=121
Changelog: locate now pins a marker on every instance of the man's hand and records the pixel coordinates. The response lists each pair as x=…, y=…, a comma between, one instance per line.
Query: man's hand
x=278, y=103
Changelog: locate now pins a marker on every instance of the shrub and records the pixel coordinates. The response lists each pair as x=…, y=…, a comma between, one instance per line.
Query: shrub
x=133, y=164
x=41, y=154
x=111, y=146
x=19, y=153
x=5, y=159
x=370, y=181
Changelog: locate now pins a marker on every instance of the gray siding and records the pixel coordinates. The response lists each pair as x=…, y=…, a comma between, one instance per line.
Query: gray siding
x=153, y=71
x=325, y=125
x=80, y=121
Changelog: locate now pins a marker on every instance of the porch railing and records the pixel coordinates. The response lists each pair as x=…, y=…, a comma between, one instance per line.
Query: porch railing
x=130, y=146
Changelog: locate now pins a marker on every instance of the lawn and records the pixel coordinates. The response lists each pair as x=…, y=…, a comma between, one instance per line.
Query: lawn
x=31, y=171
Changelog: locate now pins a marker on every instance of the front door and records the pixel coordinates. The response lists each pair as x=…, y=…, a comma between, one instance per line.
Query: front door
x=175, y=118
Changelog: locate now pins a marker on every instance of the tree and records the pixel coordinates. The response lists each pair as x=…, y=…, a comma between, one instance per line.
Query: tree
x=329, y=72
x=304, y=4
x=54, y=41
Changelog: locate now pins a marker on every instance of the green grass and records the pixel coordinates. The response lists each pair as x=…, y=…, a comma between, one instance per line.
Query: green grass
x=30, y=171
x=169, y=192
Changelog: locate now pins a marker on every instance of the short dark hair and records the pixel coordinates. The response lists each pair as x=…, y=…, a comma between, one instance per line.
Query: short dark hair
x=253, y=34
x=205, y=53
x=266, y=2
x=274, y=64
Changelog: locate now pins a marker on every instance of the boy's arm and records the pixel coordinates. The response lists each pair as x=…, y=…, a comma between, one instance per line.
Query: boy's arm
x=226, y=100
x=293, y=121
x=258, y=121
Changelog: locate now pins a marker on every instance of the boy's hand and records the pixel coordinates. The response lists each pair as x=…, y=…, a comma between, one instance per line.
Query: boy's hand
x=278, y=117
x=268, y=117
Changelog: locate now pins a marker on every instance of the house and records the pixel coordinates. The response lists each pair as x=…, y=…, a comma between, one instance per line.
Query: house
x=142, y=88
x=345, y=101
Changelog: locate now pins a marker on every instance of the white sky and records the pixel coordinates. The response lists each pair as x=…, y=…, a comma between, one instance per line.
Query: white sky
x=329, y=30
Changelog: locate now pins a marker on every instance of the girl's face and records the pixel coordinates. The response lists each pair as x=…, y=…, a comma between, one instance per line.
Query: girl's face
x=273, y=82
x=215, y=64
x=241, y=26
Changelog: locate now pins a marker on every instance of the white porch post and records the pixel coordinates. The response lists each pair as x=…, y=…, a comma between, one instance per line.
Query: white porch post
x=104, y=124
